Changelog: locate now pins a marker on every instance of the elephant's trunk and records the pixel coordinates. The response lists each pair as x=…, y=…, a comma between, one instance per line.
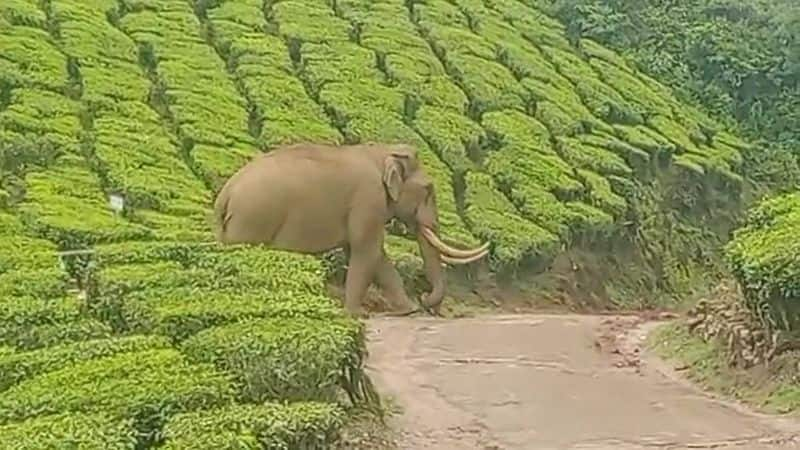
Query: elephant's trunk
x=434, y=253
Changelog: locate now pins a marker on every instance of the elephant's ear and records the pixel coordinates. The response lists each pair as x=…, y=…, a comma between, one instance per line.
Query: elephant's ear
x=393, y=176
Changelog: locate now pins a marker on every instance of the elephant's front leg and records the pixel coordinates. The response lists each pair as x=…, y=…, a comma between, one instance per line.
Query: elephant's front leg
x=360, y=274
x=365, y=249
x=391, y=284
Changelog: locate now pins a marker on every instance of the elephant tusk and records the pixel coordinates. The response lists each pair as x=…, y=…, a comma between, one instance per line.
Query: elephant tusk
x=458, y=261
x=450, y=251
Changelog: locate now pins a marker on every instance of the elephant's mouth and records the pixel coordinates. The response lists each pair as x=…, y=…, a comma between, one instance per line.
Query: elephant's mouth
x=454, y=256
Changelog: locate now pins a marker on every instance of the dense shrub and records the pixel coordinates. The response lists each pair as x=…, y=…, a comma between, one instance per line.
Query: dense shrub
x=273, y=426
x=145, y=385
x=30, y=322
x=740, y=60
x=763, y=256
x=286, y=359
x=178, y=289
x=18, y=366
x=96, y=430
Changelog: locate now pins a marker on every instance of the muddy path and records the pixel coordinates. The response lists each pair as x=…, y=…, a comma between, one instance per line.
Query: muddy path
x=549, y=382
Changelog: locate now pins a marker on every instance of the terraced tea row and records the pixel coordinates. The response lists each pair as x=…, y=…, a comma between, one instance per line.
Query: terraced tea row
x=527, y=94
x=180, y=328
x=125, y=136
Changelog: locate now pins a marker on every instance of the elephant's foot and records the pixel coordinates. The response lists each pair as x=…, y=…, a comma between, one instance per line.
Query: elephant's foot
x=356, y=312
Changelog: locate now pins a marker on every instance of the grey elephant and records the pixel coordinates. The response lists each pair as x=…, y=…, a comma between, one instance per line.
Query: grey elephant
x=311, y=198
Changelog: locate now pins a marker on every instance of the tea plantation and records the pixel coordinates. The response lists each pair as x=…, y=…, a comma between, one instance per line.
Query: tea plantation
x=536, y=143
x=763, y=256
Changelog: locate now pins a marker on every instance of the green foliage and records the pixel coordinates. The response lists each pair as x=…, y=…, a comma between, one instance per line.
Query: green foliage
x=45, y=283
x=263, y=68
x=109, y=68
x=21, y=253
x=19, y=366
x=147, y=385
x=318, y=24
x=526, y=157
x=347, y=100
x=739, y=60
x=181, y=312
x=65, y=204
x=179, y=289
x=273, y=426
x=180, y=60
x=405, y=56
x=21, y=12
x=95, y=430
x=131, y=136
x=494, y=218
x=451, y=135
x=280, y=359
x=584, y=155
x=21, y=333
x=42, y=112
x=336, y=61
x=29, y=57
x=762, y=255
x=490, y=86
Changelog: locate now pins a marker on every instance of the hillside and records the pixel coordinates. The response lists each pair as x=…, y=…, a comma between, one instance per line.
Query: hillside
x=576, y=166
x=739, y=59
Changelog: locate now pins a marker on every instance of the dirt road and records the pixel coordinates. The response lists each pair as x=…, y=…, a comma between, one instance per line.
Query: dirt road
x=549, y=382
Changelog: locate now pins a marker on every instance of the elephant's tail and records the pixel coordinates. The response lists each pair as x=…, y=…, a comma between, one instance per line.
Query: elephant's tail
x=221, y=216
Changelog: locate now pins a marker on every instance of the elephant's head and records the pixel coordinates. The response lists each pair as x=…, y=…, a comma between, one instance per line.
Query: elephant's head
x=412, y=199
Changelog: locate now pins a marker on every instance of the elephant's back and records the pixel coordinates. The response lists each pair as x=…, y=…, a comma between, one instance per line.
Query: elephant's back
x=303, y=177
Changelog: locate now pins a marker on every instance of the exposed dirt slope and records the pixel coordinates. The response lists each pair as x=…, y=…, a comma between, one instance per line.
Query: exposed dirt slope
x=549, y=382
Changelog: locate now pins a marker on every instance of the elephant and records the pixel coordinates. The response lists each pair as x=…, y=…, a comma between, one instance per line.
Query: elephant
x=311, y=198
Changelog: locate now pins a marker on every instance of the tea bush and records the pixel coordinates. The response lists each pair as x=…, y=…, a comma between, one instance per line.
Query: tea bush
x=273, y=426
x=97, y=430
x=762, y=255
x=145, y=385
x=18, y=366
x=286, y=358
